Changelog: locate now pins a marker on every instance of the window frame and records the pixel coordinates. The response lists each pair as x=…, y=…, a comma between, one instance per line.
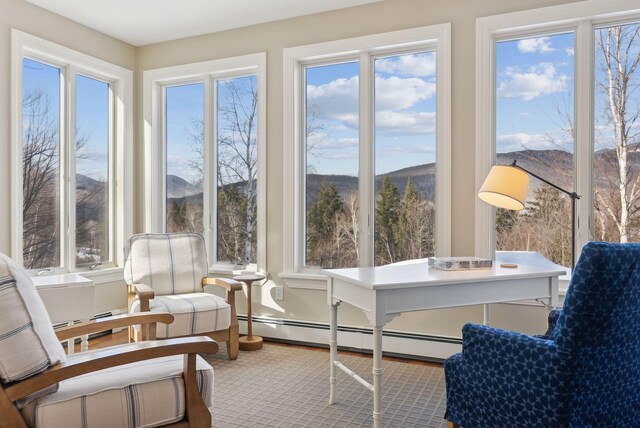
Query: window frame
x=207, y=72
x=581, y=18
x=365, y=49
x=120, y=80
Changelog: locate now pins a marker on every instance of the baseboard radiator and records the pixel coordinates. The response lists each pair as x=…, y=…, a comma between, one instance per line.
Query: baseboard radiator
x=395, y=343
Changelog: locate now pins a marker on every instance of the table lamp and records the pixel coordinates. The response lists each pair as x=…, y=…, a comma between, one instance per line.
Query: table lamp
x=506, y=186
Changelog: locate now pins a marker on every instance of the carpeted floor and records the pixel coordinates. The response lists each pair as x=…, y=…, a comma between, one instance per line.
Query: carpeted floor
x=281, y=386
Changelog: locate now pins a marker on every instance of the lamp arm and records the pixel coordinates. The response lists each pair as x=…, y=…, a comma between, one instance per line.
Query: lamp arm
x=572, y=195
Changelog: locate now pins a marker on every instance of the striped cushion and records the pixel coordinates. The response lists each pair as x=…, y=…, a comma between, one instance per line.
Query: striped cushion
x=28, y=344
x=143, y=394
x=168, y=263
x=194, y=313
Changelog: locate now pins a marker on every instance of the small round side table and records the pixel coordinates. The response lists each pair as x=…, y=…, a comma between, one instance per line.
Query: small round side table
x=249, y=342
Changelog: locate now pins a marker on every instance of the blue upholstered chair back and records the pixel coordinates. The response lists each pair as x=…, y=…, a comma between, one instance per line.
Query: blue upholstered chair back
x=599, y=328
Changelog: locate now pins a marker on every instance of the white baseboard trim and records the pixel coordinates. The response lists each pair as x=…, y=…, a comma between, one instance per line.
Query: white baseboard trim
x=429, y=347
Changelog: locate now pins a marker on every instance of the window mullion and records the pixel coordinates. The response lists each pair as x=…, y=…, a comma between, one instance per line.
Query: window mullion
x=584, y=104
x=68, y=167
x=366, y=169
x=210, y=187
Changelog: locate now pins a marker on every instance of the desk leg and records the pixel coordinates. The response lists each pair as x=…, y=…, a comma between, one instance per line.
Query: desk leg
x=333, y=346
x=487, y=314
x=377, y=376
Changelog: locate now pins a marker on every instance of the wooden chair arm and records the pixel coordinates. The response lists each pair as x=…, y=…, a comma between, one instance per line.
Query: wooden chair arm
x=109, y=357
x=227, y=284
x=108, y=323
x=143, y=291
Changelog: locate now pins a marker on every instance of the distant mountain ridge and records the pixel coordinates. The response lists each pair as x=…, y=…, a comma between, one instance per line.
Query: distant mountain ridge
x=555, y=166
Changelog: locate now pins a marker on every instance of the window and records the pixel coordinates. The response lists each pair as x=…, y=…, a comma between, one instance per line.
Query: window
x=205, y=148
x=566, y=102
x=534, y=119
x=70, y=109
x=367, y=139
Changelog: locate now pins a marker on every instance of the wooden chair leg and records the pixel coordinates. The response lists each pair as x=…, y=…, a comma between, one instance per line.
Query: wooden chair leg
x=452, y=425
x=233, y=344
x=196, y=412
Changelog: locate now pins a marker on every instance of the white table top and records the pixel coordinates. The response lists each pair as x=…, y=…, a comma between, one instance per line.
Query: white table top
x=61, y=280
x=419, y=275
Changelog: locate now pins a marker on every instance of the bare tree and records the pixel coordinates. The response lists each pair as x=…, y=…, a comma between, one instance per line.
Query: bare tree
x=617, y=192
x=40, y=160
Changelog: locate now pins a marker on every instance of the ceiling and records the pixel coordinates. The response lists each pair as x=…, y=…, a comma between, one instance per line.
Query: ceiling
x=142, y=22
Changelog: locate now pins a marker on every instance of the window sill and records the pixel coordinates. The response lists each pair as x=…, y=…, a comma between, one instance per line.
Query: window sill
x=104, y=276
x=307, y=281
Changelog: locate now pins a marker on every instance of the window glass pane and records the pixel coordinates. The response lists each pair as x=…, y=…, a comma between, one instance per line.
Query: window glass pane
x=616, y=161
x=331, y=144
x=184, y=122
x=92, y=171
x=237, y=158
x=405, y=155
x=41, y=164
x=534, y=126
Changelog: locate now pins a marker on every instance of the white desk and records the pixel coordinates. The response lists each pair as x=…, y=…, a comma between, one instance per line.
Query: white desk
x=385, y=292
x=68, y=297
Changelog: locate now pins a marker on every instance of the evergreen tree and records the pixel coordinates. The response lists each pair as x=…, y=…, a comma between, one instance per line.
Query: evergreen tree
x=386, y=218
x=322, y=224
x=413, y=230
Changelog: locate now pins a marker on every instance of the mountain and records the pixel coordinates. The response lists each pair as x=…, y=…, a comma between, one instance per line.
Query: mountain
x=178, y=187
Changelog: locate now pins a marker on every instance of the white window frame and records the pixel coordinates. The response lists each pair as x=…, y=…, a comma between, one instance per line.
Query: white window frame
x=365, y=49
x=120, y=80
x=581, y=18
x=208, y=72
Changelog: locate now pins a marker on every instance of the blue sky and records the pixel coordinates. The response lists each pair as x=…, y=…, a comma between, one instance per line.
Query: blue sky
x=534, y=78
x=404, y=114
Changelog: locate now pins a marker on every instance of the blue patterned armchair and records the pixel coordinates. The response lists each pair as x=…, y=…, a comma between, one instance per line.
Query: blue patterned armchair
x=585, y=372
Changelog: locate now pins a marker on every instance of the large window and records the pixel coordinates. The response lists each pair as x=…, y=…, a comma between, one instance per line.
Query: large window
x=72, y=129
x=566, y=107
x=206, y=147
x=534, y=126
x=367, y=140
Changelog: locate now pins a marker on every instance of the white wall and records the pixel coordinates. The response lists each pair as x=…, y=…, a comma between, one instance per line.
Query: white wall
x=379, y=17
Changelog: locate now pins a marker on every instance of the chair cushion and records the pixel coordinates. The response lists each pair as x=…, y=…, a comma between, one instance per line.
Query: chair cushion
x=194, y=313
x=142, y=394
x=168, y=263
x=28, y=344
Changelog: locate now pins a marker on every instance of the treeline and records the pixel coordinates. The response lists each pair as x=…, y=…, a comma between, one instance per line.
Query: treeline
x=404, y=227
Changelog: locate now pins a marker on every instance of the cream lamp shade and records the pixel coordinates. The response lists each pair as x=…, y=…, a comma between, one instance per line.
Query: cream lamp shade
x=505, y=187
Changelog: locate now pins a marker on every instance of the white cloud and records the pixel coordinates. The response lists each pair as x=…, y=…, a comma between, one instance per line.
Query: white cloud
x=569, y=51
x=324, y=142
x=535, y=45
x=514, y=142
x=405, y=123
x=396, y=93
x=416, y=65
x=338, y=101
x=541, y=79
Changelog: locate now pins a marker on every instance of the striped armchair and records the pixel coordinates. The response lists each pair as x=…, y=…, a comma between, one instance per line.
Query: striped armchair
x=584, y=373
x=152, y=383
x=166, y=273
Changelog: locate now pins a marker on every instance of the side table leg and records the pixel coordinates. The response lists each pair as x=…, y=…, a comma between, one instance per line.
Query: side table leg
x=70, y=342
x=333, y=346
x=84, y=345
x=377, y=376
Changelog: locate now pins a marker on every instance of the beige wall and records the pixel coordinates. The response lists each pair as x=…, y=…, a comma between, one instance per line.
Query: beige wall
x=25, y=17
x=379, y=17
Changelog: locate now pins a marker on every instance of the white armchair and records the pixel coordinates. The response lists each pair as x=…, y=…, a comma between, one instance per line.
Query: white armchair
x=149, y=383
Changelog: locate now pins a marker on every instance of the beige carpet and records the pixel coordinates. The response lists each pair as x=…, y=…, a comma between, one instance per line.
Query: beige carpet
x=282, y=386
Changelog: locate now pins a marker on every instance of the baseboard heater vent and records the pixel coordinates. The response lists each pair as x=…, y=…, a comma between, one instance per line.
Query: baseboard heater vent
x=264, y=325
